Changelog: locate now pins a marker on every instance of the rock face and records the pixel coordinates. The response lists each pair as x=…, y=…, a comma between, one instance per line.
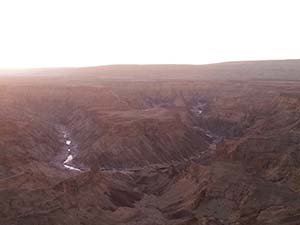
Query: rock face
x=150, y=151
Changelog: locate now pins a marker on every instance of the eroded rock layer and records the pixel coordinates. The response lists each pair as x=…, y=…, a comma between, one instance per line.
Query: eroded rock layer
x=185, y=152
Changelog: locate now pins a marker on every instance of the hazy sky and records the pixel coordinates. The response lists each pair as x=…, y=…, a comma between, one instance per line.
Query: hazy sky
x=38, y=33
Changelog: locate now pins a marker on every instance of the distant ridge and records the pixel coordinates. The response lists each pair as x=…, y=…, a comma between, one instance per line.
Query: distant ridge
x=235, y=70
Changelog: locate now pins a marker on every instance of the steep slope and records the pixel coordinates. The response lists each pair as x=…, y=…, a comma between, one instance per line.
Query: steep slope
x=150, y=152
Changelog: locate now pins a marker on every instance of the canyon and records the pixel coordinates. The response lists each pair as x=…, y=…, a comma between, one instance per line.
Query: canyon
x=215, y=144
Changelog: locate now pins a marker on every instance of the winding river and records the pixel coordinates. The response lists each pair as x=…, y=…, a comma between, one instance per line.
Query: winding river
x=70, y=156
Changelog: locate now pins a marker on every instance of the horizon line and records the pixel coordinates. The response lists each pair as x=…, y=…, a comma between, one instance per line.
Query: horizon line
x=142, y=64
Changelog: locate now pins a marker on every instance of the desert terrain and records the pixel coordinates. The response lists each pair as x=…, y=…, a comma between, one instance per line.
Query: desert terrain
x=214, y=144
